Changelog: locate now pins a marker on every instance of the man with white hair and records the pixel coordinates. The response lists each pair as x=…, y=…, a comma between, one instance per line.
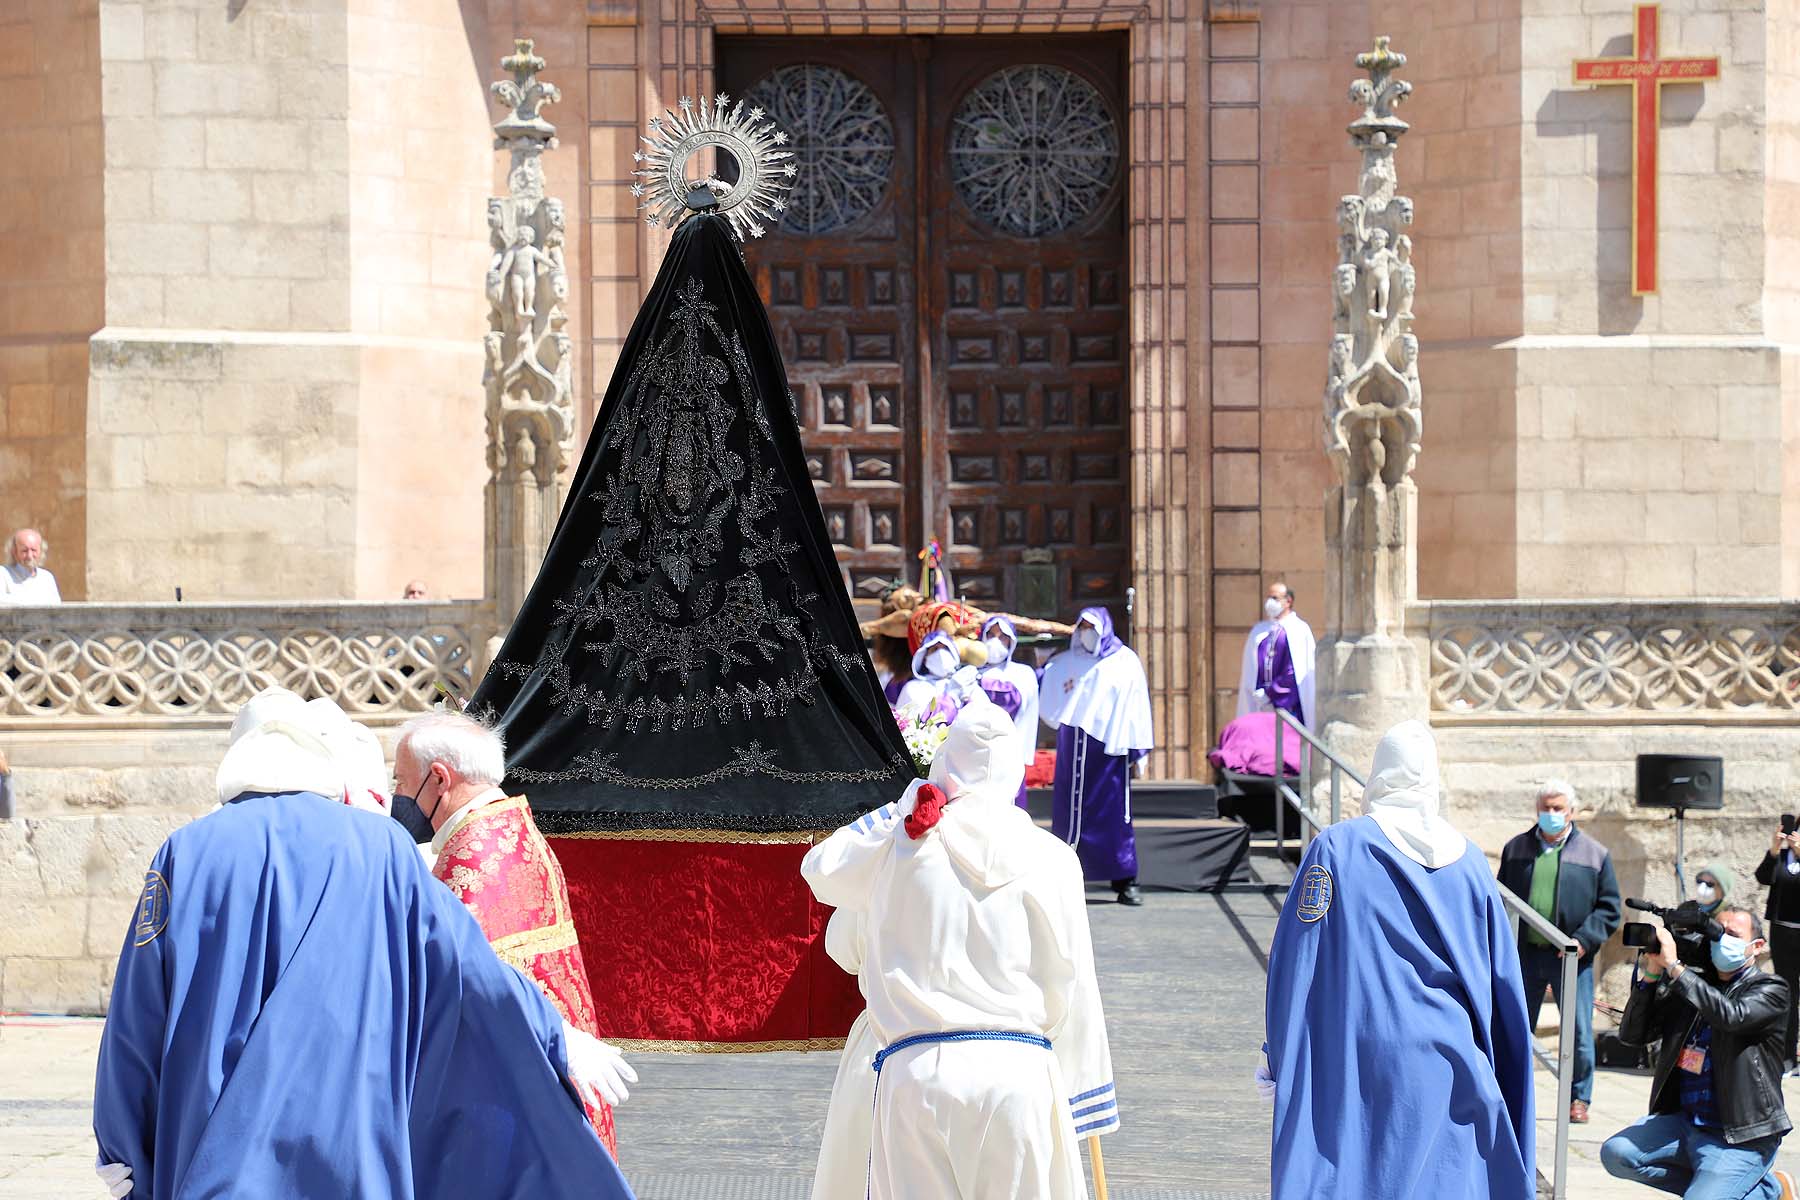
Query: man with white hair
x=979, y=975
x=488, y=851
x=1568, y=878
x=26, y=580
x=1399, y=1059
x=300, y=1010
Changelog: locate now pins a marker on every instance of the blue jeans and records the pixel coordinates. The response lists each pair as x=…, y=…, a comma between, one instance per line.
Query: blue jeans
x=1542, y=966
x=1670, y=1152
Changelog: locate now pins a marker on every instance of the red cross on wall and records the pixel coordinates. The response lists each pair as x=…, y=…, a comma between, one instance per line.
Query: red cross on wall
x=1646, y=73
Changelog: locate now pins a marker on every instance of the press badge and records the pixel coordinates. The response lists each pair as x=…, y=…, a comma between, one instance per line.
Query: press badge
x=1693, y=1059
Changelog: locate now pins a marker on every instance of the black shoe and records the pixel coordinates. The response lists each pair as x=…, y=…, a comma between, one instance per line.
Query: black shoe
x=1130, y=894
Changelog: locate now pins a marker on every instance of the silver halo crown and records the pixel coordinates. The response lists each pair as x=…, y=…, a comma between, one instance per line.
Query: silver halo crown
x=765, y=172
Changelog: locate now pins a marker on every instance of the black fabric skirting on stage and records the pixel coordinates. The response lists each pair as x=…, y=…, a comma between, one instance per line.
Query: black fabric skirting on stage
x=1182, y=842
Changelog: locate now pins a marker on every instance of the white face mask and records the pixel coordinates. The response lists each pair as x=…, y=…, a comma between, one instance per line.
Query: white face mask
x=996, y=650
x=1272, y=609
x=940, y=662
x=1088, y=639
x=1705, y=893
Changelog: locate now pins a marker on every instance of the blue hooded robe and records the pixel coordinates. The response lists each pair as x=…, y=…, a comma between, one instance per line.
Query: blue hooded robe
x=301, y=1010
x=1396, y=1029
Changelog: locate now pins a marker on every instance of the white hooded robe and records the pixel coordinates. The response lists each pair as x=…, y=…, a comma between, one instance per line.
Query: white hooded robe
x=979, y=925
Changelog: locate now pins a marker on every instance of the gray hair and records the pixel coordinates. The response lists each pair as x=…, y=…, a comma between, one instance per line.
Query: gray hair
x=463, y=744
x=1557, y=787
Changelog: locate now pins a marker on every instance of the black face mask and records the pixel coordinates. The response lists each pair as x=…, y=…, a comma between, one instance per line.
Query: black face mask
x=412, y=818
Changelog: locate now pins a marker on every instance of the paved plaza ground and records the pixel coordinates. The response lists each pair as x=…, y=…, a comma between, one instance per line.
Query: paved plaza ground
x=1183, y=984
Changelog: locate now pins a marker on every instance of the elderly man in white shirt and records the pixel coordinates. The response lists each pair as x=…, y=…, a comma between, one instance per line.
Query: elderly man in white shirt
x=25, y=580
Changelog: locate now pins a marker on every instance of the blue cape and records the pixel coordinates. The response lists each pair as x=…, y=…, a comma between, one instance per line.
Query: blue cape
x=300, y=1009
x=1396, y=1025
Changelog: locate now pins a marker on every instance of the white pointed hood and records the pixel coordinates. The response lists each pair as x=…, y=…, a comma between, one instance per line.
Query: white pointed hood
x=978, y=768
x=1403, y=797
x=276, y=746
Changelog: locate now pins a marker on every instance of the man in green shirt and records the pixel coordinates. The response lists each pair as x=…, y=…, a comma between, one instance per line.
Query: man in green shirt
x=1566, y=876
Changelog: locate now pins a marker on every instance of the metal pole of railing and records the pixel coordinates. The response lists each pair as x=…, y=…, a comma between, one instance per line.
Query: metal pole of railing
x=1280, y=795
x=1523, y=919
x=1337, y=794
x=1565, y=1069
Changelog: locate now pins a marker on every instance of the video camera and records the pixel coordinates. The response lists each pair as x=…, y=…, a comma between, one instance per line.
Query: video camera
x=1691, y=928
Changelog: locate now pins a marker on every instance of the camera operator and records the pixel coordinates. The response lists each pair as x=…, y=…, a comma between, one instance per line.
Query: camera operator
x=1780, y=873
x=1716, y=1114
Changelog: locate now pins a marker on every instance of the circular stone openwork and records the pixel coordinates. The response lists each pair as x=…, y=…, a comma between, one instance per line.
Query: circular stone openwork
x=1033, y=150
x=842, y=140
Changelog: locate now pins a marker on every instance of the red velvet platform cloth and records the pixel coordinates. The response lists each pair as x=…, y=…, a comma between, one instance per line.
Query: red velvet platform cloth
x=715, y=943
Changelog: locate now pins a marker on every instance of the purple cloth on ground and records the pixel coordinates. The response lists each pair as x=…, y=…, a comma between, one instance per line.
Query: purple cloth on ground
x=1093, y=805
x=1248, y=745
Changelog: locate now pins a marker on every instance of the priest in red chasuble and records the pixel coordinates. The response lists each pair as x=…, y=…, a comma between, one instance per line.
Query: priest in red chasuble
x=490, y=853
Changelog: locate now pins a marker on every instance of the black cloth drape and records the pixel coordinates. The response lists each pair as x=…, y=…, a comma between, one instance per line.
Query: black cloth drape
x=688, y=658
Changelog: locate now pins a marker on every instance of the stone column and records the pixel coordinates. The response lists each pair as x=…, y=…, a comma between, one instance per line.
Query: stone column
x=1369, y=670
x=530, y=409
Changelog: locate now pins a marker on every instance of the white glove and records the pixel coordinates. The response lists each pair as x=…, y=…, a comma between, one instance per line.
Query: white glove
x=597, y=1069
x=115, y=1176
x=1265, y=1082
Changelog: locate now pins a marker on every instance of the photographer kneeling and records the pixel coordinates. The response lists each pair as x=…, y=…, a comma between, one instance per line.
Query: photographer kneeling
x=1716, y=1114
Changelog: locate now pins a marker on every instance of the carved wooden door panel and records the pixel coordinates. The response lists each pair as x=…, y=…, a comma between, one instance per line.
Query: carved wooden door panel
x=837, y=277
x=947, y=288
x=1028, y=315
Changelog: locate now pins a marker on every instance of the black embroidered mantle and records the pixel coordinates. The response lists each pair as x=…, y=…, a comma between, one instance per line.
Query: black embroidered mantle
x=687, y=657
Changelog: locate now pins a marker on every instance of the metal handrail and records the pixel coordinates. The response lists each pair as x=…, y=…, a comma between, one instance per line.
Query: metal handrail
x=1566, y=947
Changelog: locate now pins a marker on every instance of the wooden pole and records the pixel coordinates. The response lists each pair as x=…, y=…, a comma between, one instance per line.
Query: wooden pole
x=1099, y=1166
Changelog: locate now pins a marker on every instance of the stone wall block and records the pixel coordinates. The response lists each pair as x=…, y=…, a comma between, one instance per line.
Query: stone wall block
x=234, y=88
x=52, y=927
x=155, y=360
x=155, y=142
x=72, y=985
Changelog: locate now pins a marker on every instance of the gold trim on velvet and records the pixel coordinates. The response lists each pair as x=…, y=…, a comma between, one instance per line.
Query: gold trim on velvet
x=530, y=943
x=654, y=1046
x=722, y=836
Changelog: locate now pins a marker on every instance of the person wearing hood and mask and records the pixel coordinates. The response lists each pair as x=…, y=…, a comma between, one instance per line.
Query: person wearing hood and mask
x=1567, y=876
x=1399, y=1057
x=1095, y=696
x=301, y=1010
x=979, y=974
x=938, y=675
x=1011, y=685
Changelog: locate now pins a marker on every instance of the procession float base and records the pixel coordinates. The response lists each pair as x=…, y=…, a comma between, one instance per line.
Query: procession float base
x=705, y=940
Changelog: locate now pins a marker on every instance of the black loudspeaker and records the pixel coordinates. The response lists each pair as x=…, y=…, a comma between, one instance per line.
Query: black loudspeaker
x=1680, y=781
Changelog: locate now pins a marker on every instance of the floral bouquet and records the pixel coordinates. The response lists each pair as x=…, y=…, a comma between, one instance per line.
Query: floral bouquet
x=923, y=728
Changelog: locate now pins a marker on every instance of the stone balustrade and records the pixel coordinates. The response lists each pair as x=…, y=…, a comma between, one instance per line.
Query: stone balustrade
x=1672, y=661
x=100, y=665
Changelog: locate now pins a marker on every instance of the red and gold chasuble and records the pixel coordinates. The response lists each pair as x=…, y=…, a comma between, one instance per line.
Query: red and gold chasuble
x=499, y=866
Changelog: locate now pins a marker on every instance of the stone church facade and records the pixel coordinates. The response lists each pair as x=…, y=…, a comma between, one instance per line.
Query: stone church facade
x=242, y=309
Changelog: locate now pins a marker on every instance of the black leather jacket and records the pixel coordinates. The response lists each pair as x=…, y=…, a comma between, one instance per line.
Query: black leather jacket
x=1749, y=1024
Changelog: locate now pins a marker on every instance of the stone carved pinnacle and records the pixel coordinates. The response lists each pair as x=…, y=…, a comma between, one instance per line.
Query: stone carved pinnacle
x=526, y=95
x=1373, y=402
x=529, y=355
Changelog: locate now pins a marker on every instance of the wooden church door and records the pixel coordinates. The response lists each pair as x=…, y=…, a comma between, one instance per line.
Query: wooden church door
x=948, y=291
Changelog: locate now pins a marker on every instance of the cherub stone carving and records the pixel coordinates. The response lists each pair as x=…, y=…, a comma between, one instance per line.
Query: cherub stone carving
x=1377, y=266
x=1408, y=277
x=519, y=267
